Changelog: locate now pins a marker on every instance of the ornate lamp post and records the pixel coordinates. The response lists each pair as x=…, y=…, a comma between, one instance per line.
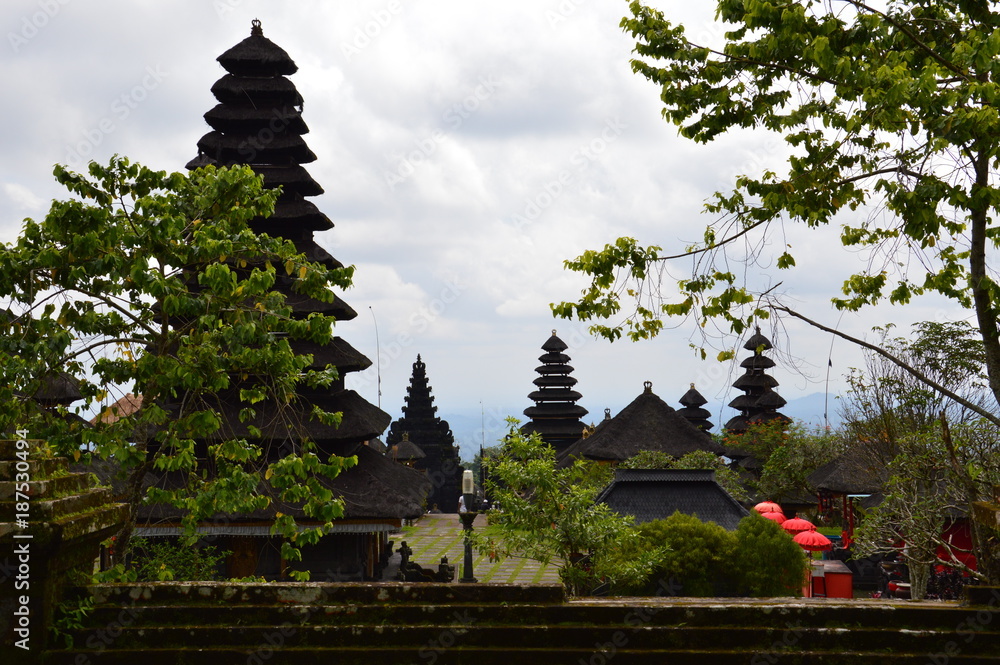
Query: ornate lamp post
x=468, y=517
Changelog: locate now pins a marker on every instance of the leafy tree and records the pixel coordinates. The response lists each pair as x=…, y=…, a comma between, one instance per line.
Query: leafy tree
x=888, y=108
x=728, y=479
x=154, y=283
x=476, y=464
x=549, y=515
x=884, y=403
x=787, y=452
x=932, y=479
x=168, y=561
x=936, y=457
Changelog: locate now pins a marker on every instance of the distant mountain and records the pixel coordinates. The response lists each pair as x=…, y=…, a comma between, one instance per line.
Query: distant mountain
x=810, y=409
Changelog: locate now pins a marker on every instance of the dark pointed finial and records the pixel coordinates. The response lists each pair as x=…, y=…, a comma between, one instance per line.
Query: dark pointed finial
x=692, y=385
x=255, y=29
x=553, y=331
x=647, y=387
x=607, y=414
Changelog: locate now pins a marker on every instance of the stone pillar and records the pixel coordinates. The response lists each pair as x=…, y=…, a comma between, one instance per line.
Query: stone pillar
x=51, y=525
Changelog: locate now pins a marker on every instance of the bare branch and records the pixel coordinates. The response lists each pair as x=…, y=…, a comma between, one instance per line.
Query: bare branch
x=920, y=376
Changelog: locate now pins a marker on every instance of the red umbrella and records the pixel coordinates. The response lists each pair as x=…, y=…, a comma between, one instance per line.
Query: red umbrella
x=797, y=525
x=774, y=517
x=813, y=541
x=767, y=507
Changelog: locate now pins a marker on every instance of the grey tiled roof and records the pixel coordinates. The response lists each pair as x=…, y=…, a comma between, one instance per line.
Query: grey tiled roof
x=652, y=494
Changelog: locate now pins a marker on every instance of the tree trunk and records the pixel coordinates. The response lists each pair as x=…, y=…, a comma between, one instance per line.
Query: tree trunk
x=919, y=554
x=980, y=282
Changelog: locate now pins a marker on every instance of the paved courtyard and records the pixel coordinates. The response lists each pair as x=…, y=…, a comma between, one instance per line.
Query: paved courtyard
x=435, y=536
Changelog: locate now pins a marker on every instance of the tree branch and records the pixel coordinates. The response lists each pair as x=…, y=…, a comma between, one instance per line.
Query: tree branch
x=920, y=376
x=916, y=40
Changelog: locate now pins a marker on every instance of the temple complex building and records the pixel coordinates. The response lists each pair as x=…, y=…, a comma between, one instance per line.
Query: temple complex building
x=556, y=415
x=421, y=428
x=258, y=122
x=759, y=403
x=647, y=423
x=692, y=402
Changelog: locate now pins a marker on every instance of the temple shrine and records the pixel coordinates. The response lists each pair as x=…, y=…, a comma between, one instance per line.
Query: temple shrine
x=556, y=416
x=421, y=428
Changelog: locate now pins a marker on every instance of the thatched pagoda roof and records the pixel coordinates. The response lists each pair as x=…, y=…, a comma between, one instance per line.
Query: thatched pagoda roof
x=227, y=117
x=555, y=416
x=256, y=56
x=648, y=423
x=338, y=353
x=256, y=91
x=406, y=450
x=854, y=472
x=58, y=388
x=376, y=488
x=692, y=401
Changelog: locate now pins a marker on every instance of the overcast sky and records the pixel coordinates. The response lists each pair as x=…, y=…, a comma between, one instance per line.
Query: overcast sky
x=467, y=149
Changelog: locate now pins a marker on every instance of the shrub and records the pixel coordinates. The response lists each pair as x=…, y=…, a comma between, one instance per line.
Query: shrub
x=703, y=559
x=696, y=553
x=766, y=561
x=165, y=561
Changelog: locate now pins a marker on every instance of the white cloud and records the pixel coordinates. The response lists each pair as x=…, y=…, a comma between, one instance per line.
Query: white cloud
x=521, y=94
x=21, y=196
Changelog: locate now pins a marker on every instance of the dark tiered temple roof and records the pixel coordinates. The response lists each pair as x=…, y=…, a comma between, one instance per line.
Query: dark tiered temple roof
x=759, y=402
x=556, y=416
x=653, y=494
x=648, y=423
x=692, y=401
x=421, y=424
x=376, y=489
x=258, y=122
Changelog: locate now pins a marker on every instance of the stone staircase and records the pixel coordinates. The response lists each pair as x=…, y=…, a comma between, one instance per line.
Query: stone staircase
x=395, y=623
